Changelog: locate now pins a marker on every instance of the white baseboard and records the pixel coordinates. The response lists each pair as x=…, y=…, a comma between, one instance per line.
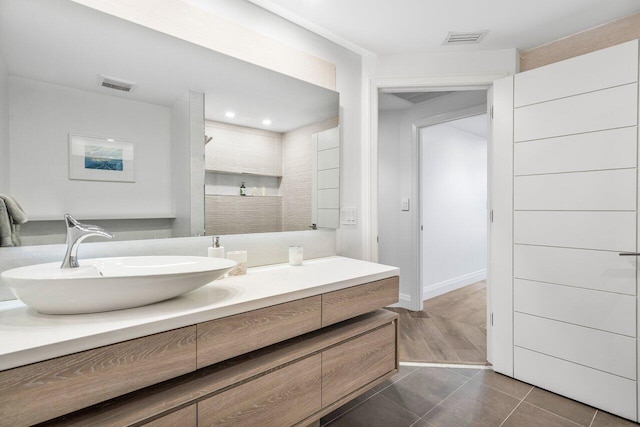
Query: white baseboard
x=404, y=302
x=453, y=284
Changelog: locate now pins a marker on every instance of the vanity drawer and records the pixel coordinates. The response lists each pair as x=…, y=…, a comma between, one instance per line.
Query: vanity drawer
x=185, y=417
x=356, y=300
x=281, y=398
x=357, y=362
x=218, y=339
x=34, y=393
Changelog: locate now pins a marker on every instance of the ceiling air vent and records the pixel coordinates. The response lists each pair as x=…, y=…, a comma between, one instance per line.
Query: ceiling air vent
x=116, y=84
x=464, y=38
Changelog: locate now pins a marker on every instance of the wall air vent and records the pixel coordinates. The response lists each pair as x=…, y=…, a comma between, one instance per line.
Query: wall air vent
x=464, y=38
x=116, y=84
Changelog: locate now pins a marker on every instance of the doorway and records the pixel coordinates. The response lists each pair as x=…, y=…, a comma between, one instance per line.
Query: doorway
x=439, y=146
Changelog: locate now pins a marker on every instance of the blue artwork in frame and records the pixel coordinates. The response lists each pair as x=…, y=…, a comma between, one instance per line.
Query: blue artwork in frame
x=100, y=159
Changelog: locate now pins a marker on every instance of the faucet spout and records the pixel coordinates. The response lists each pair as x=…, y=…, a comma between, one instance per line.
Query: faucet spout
x=76, y=233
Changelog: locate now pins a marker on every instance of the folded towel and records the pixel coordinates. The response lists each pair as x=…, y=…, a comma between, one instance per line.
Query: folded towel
x=6, y=227
x=11, y=216
x=14, y=210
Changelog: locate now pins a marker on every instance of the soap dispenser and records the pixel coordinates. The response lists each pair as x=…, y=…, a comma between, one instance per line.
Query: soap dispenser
x=216, y=251
x=243, y=189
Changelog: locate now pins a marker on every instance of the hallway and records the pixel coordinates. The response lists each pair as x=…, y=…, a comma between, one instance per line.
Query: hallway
x=450, y=329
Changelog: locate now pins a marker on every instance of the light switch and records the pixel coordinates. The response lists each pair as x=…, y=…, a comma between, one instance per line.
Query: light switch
x=405, y=204
x=348, y=216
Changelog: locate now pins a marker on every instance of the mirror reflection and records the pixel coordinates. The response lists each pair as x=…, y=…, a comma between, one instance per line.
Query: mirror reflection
x=216, y=145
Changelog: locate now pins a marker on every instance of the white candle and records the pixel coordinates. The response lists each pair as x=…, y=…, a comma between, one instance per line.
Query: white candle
x=295, y=255
x=241, y=258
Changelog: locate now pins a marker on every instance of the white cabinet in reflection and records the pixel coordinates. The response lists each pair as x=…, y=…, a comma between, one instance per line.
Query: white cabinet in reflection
x=325, y=178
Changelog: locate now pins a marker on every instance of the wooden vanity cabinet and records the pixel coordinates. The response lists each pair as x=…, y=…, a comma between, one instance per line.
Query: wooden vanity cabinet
x=281, y=369
x=185, y=417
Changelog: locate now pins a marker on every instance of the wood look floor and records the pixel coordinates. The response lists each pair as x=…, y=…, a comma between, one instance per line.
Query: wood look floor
x=450, y=329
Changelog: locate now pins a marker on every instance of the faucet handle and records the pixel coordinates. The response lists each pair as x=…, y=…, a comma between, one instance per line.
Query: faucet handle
x=71, y=223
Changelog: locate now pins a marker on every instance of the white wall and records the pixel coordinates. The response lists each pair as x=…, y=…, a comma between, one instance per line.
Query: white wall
x=398, y=238
x=448, y=63
x=4, y=128
x=42, y=117
x=453, y=202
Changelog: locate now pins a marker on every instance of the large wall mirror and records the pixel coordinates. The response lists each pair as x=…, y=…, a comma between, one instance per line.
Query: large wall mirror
x=209, y=144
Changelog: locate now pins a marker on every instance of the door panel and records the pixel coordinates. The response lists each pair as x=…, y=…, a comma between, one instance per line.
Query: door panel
x=608, y=149
x=575, y=209
x=599, y=270
x=599, y=310
x=609, y=231
x=600, y=350
x=596, y=388
x=593, y=111
x=613, y=190
x=605, y=68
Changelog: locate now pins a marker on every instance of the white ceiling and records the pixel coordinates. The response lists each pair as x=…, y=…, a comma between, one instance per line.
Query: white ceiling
x=61, y=42
x=412, y=26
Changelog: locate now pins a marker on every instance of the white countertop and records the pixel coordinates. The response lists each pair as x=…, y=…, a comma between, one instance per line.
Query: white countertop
x=27, y=336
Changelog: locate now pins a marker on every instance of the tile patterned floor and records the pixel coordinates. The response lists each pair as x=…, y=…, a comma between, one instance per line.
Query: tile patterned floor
x=459, y=397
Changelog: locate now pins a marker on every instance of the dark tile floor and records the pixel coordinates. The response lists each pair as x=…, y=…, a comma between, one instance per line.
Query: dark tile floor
x=459, y=397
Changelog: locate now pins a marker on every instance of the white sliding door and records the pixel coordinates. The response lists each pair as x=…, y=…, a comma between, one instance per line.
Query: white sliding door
x=575, y=198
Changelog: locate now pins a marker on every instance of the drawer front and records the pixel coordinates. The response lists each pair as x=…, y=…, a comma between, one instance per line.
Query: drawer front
x=354, y=301
x=605, y=109
x=280, y=398
x=589, y=347
x=613, y=190
x=355, y=363
x=218, y=339
x=609, y=231
x=600, y=310
x=604, y=150
x=600, y=389
x=614, y=66
x=185, y=417
x=41, y=391
x=599, y=270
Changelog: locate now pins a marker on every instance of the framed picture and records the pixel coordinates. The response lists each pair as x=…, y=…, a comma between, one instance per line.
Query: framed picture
x=100, y=159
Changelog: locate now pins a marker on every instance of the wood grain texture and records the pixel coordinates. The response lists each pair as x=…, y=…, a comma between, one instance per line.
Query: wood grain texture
x=280, y=398
x=185, y=417
x=600, y=37
x=451, y=328
x=357, y=362
x=138, y=406
x=340, y=402
x=232, y=336
x=41, y=391
x=350, y=302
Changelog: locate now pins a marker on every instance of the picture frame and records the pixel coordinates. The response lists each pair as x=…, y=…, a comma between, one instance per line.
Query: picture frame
x=101, y=159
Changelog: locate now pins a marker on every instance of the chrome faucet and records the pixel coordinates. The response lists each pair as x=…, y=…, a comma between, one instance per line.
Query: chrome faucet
x=76, y=233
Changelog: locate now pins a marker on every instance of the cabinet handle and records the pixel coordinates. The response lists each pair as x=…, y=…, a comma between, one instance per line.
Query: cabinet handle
x=629, y=254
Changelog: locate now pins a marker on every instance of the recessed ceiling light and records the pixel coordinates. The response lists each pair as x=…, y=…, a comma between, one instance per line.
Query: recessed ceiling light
x=110, y=140
x=266, y=122
x=230, y=114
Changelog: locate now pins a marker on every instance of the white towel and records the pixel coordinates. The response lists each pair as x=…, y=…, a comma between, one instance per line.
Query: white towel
x=11, y=217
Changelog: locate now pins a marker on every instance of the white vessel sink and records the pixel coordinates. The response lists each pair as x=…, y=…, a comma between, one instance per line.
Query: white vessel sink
x=106, y=284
